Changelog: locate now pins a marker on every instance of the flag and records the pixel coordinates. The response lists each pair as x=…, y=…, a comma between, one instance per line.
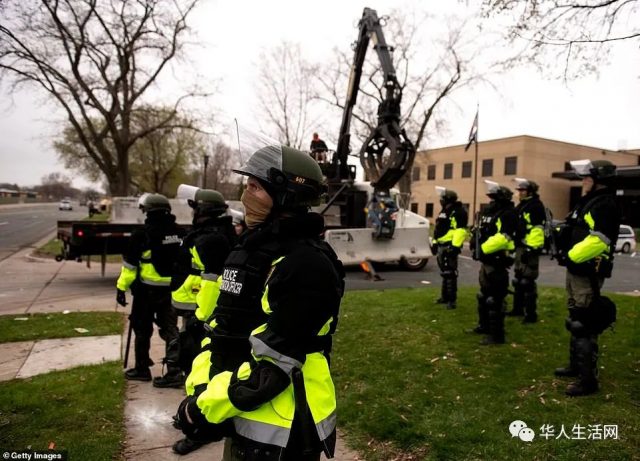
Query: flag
x=473, y=134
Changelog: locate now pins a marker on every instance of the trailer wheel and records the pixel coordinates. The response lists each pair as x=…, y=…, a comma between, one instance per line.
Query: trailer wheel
x=413, y=264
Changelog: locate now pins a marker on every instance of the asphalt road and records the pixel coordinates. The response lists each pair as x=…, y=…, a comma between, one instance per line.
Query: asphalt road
x=23, y=225
x=626, y=275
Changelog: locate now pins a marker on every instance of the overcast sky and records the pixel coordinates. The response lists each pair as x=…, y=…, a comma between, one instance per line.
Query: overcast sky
x=600, y=111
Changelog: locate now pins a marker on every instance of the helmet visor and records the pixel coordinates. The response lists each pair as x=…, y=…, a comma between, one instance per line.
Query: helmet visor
x=259, y=153
x=186, y=192
x=521, y=183
x=581, y=167
x=491, y=187
x=440, y=191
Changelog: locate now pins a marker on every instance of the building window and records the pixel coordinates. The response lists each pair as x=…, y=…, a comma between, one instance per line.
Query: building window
x=416, y=174
x=428, y=210
x=487, y=167
x=414, y=207
x=510, y=165
x=431, y=172
x=466, y=169
x=448, y=170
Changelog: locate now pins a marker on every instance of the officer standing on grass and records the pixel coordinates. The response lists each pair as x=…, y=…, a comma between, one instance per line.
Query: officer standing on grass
x=586, y=245
x=493, y=245
x=199, y=264
x=449, y=235
x=271, y=391
x=146, y=269
x=529, y=242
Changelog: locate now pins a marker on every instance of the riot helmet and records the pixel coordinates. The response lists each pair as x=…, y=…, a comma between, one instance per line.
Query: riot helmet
x=150, y=203
x=207, y=201
x=446, y=195
x=497, y=192
x=292, y=178
x=527, y=185
x=597, y=169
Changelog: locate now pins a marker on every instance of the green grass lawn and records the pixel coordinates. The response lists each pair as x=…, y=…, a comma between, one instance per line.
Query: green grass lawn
x=58, y=325
x=412, y=384
x=50, y=249
x=80, y=410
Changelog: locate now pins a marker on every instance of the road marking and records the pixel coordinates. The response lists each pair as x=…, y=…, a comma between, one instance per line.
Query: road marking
x=3, y=223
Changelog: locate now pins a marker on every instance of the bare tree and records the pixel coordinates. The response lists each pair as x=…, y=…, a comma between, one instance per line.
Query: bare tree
x=97, y=61
x=219, y=175
x=579, y=33
x=428, y=73
x=55, y=185
x=285, y=92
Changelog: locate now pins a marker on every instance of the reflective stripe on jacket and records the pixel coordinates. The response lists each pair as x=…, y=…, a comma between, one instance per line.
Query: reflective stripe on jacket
x=270, y=422
x=148, y=273
x=145, y=272
x=594, y=244
x=184, y=297
x=498, y=241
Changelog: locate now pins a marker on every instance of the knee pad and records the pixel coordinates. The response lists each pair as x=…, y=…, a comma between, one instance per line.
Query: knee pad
x=577, y=322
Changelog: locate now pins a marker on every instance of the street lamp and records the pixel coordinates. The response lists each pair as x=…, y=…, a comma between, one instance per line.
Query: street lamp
x=204, y=177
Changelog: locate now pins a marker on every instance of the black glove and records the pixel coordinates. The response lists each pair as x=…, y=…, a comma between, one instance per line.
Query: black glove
x=562, y=258
x=121, y=297
x=196, y=427
x=434, y=249
x=264, y=383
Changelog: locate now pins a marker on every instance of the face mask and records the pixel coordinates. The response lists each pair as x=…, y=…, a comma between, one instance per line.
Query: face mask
x=255, y=210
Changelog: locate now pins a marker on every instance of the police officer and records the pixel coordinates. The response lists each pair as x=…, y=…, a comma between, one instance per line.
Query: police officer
x=449, y=235
x=272, y=325
x=493, y=245
x=146, y=269
x=591, y=234
x=529, y=242
x=200, y=261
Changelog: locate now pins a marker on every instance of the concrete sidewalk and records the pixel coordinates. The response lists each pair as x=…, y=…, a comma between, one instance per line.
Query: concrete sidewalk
x=33, y=285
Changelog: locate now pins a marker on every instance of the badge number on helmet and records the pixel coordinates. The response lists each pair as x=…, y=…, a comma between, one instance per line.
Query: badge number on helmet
x=300, y=180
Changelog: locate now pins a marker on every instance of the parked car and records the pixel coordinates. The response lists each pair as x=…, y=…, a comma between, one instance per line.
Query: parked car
x=626, y=239
x=65, y=205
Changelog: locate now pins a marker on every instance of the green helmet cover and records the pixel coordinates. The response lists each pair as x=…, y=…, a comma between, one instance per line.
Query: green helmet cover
x=210, y=197
x=295, y=179
x=153, y=202
x=602, y=169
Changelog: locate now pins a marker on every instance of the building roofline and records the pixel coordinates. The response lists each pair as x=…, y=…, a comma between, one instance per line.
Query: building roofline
x=619, y=151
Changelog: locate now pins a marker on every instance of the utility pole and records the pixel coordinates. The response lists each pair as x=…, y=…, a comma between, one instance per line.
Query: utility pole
x=204, y=176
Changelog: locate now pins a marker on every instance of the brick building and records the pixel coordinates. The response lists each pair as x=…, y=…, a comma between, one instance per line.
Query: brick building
x=501, y=160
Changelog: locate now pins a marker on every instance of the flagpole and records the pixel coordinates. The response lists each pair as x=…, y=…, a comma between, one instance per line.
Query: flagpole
x=475, y=178
x=475, y=163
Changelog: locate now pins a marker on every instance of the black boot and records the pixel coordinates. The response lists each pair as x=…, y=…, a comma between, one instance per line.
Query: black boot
x=186, y=446
x=496, y=323
x=450, y=286
x=483, y=316
x=571, y=370
x=138, y=374
x=587, y=360
x=170, y=379
x=517, y=310
x=174, y=376
x=530, y=303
